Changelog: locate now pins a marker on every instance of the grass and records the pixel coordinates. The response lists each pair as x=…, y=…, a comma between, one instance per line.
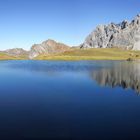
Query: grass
x=93, y=54
x=8, y=57
x=84, y=54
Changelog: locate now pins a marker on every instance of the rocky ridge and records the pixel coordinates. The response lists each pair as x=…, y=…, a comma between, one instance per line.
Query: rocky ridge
x=47, y=47
x=125, y=35
x=16, y=52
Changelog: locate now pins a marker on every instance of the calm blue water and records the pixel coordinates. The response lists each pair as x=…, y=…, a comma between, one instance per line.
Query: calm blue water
x=58, y=100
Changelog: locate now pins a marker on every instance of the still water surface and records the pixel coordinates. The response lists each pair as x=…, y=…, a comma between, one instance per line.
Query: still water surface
x=58, y=100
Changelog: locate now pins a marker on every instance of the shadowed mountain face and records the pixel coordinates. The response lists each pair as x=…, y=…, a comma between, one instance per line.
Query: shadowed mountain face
x=125, y=75
x=124, y=35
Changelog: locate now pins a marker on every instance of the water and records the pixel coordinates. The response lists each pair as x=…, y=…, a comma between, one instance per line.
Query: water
x=58, y=100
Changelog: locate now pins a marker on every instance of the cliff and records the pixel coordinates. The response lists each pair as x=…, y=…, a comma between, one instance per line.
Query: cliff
x=125, y=35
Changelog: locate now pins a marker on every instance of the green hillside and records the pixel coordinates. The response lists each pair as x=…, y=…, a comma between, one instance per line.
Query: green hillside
x=93, y=54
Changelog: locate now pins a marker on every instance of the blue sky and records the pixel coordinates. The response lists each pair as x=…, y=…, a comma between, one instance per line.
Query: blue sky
x=26, y=22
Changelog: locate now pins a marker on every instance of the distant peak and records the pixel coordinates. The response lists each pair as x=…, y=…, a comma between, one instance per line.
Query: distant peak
x=47, y=47
x=51, y=40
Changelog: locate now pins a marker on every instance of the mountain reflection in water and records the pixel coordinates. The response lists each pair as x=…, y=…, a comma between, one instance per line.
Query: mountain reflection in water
x=106, y=73
x=123, y=74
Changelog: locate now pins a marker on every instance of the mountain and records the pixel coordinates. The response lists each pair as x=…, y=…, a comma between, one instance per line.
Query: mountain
x=16, y=52
x=47, y=48
x=125, y=35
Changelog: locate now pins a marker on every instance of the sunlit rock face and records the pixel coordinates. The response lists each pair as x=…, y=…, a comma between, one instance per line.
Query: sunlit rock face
x=125, y=75
x=124, y=35
x=47, y=47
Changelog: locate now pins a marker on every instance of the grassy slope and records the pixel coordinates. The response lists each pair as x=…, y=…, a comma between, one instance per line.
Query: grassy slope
x=93, y=54
x=84, y=54
x=8, y=57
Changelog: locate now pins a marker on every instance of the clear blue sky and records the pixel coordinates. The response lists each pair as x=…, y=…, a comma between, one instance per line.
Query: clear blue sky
x=25, y=22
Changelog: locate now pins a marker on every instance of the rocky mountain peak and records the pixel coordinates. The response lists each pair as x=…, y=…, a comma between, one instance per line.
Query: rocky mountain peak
x=124, y=35
x=47, y=47
x=50, y=41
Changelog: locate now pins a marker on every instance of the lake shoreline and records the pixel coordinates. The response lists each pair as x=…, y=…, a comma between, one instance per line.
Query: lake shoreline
x=138, y=60
x=82, y=54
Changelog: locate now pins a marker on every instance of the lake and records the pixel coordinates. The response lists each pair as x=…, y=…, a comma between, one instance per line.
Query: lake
x=77, y=100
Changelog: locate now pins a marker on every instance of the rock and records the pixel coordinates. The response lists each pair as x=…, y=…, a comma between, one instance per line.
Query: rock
x=17, y=52
x=124, y=35
x=130, y=59
x=47, y=47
